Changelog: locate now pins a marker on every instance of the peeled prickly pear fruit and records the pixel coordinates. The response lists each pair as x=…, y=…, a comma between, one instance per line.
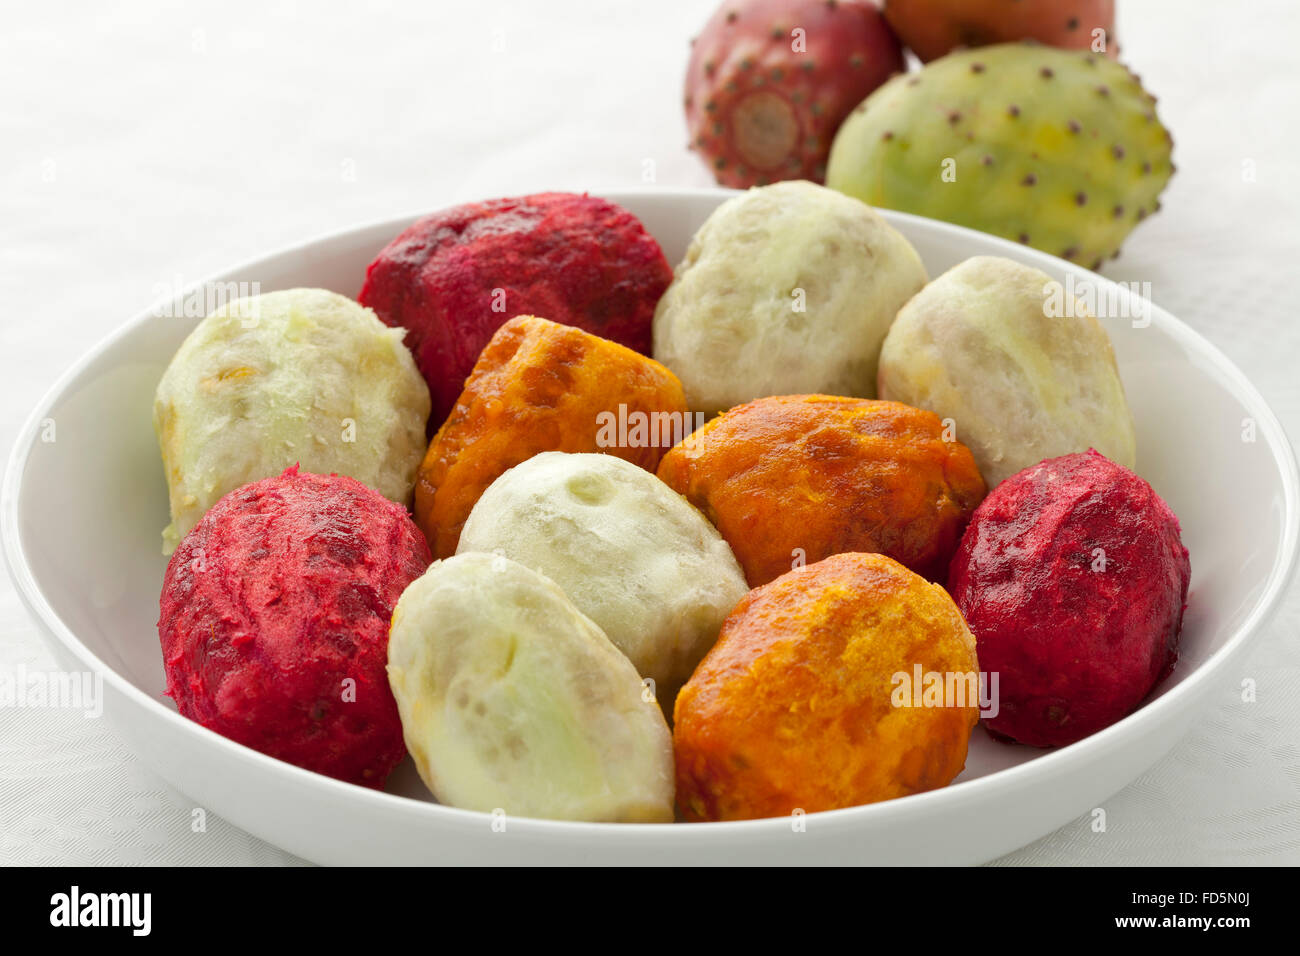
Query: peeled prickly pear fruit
x=511, y=699
x=786, y=289
x=931, y=28
x=627, y=550
x=1058, y=149
x=983, y=348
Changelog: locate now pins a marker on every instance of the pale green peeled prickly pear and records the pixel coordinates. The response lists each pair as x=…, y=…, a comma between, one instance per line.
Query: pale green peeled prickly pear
x=628, y=551
x=786, y=289
x=1058, y=149
x=983, y=348
x=511, y=699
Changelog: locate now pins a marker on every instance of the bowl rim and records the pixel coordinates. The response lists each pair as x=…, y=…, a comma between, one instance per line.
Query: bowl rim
x=1040, y=769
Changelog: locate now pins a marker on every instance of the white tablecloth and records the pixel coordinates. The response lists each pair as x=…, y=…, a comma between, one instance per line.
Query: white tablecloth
x=161, y=142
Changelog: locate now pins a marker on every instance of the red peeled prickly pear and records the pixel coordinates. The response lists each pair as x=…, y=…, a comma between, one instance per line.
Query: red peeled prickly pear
x=769, y=82
x=933, y=28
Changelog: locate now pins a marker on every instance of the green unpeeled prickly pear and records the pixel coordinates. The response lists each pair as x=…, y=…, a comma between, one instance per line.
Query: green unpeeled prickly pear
x=1058, y=149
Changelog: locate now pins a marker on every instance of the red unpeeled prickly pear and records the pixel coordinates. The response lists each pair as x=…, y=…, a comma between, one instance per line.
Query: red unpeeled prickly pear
x=933, y=28
x=769, y=82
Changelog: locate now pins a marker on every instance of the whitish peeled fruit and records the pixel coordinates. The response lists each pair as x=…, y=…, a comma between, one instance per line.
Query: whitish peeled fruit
x=1023, y=373
x=302, y=376
x=630, y=553
x=511, y=699
x=786, y=289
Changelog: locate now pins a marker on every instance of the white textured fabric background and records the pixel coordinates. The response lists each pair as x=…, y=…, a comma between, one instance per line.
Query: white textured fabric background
x=149, y=143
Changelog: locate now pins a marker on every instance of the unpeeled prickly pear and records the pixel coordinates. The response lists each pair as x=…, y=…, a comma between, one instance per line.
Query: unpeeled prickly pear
x=770, y=81
x=932, y=28
x=1058, y=149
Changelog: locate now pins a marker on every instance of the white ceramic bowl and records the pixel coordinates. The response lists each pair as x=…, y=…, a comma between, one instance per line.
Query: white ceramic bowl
x=81, y=522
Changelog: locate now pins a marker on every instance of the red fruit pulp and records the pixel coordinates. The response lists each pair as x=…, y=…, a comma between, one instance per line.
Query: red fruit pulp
x=1073, y=577
x=282, y=593
x=455, y=277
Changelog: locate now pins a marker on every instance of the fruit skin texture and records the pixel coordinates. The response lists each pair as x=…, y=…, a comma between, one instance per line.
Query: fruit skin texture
x=1058, y=149
x=512, y=699
x=794, y=707
x=281, y=593
x=538, y=386
x=1077, y=641
x=271, y=380
x=808, y=476
x=978, y=346
x=932, y=28
x=758, y=109
x=454, y=277
x=628, y=551
x=785, y=289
